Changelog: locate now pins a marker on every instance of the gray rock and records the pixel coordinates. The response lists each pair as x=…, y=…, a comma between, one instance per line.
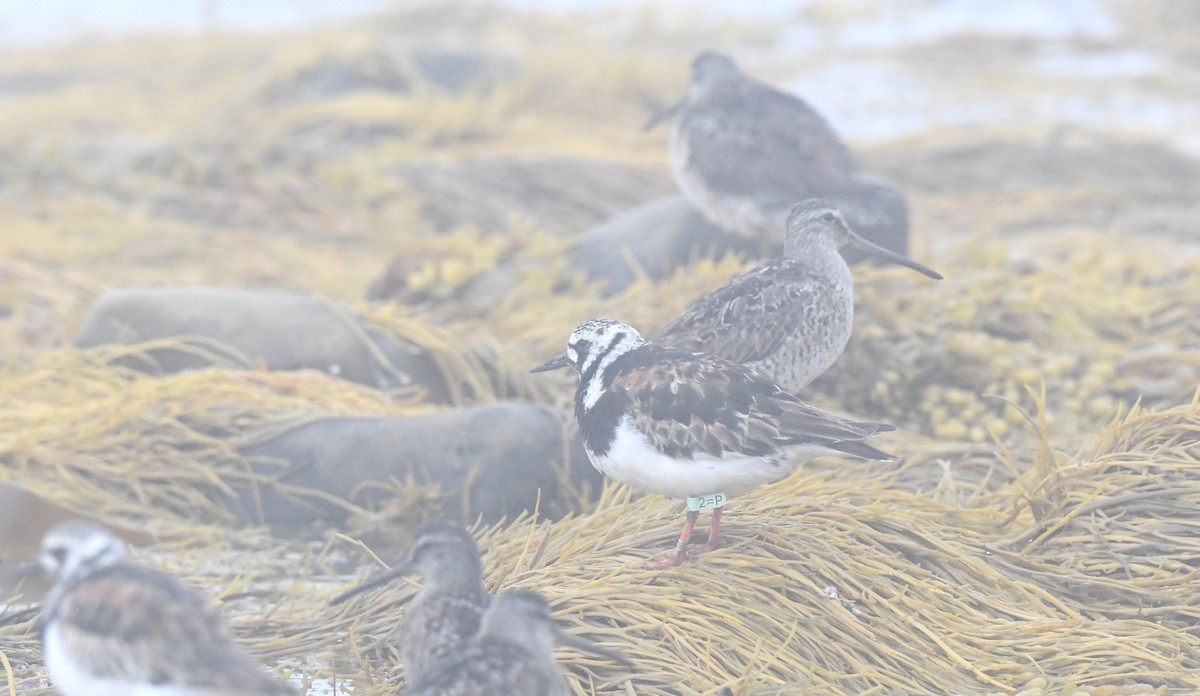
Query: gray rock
x=668, y=233
x=241, y=328
x=876, y=210
x=489, y=461
x=561, y=195
x=659, y=237
x=24, y=518
x=452, y=70
x=331, y=76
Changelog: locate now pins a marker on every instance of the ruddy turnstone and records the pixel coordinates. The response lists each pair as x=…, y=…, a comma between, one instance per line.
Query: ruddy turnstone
x=692, y=426
x=743, y=153
x=513, y=653
x=790, y=318
x=112, y=627
x=445, y=613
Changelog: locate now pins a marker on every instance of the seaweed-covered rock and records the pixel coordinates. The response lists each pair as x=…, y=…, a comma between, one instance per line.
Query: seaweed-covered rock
x=236, y=327
x=490, y=462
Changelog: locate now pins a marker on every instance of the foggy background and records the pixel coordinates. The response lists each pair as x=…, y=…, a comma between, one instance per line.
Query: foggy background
x=323, y=243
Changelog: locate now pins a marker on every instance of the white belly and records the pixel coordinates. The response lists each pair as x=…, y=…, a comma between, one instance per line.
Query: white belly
x=71, y=677
x=633, y=460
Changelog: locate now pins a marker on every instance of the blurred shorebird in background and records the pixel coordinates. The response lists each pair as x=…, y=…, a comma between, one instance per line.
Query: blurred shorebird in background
x=743, y=153
x=790, y=318
x=112, y=627
x=692, y=426
x=445, y=614
x=513, y=653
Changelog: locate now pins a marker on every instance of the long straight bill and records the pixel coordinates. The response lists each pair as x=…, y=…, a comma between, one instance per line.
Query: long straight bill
x=381, y=579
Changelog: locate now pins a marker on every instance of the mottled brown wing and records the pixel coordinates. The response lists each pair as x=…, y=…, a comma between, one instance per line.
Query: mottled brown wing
x=132, y=623
x=687, y=403
x=437, y=626
x=751, y=140
x=750, y=318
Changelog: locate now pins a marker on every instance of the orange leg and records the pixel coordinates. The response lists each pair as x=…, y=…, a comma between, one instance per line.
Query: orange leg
x=714, y=534
x=679, y=554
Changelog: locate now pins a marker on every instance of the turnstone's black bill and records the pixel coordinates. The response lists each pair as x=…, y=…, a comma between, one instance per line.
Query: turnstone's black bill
x=513, y=653
x=790, y=318
x=113, y=628
x=559, y=361
x=743, y=153
x=693, y=426
x=445, y=613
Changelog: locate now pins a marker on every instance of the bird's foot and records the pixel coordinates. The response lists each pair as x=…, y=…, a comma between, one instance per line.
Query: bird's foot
x=712, y=544
x=671, y=560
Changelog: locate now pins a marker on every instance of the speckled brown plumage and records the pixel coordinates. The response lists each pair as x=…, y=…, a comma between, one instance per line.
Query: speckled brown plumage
x=791, y=317
x=445, y=614
x=513, y=653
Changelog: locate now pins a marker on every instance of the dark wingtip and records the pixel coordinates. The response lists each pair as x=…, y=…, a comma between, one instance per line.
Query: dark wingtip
x=862, y=450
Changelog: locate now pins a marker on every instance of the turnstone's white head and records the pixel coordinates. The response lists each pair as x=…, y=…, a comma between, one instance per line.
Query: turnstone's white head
x=445, y=614
x=817, y=231
x=76, y=549
x=112, y=627
x=512, y=653
x=593, y=345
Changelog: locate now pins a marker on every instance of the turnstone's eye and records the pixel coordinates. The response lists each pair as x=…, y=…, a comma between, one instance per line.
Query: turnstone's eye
x=577, y=349
x=59, y=554
x=828, y=217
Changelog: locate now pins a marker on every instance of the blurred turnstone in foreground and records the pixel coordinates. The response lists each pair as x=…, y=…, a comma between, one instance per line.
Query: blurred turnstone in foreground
x=790, y=318
x=112, y=627
x=692, y=426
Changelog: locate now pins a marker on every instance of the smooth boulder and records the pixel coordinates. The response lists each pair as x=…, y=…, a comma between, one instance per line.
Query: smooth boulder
x=494, y=462
x=243, y=328
x=654, y=239
x=659, y=237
